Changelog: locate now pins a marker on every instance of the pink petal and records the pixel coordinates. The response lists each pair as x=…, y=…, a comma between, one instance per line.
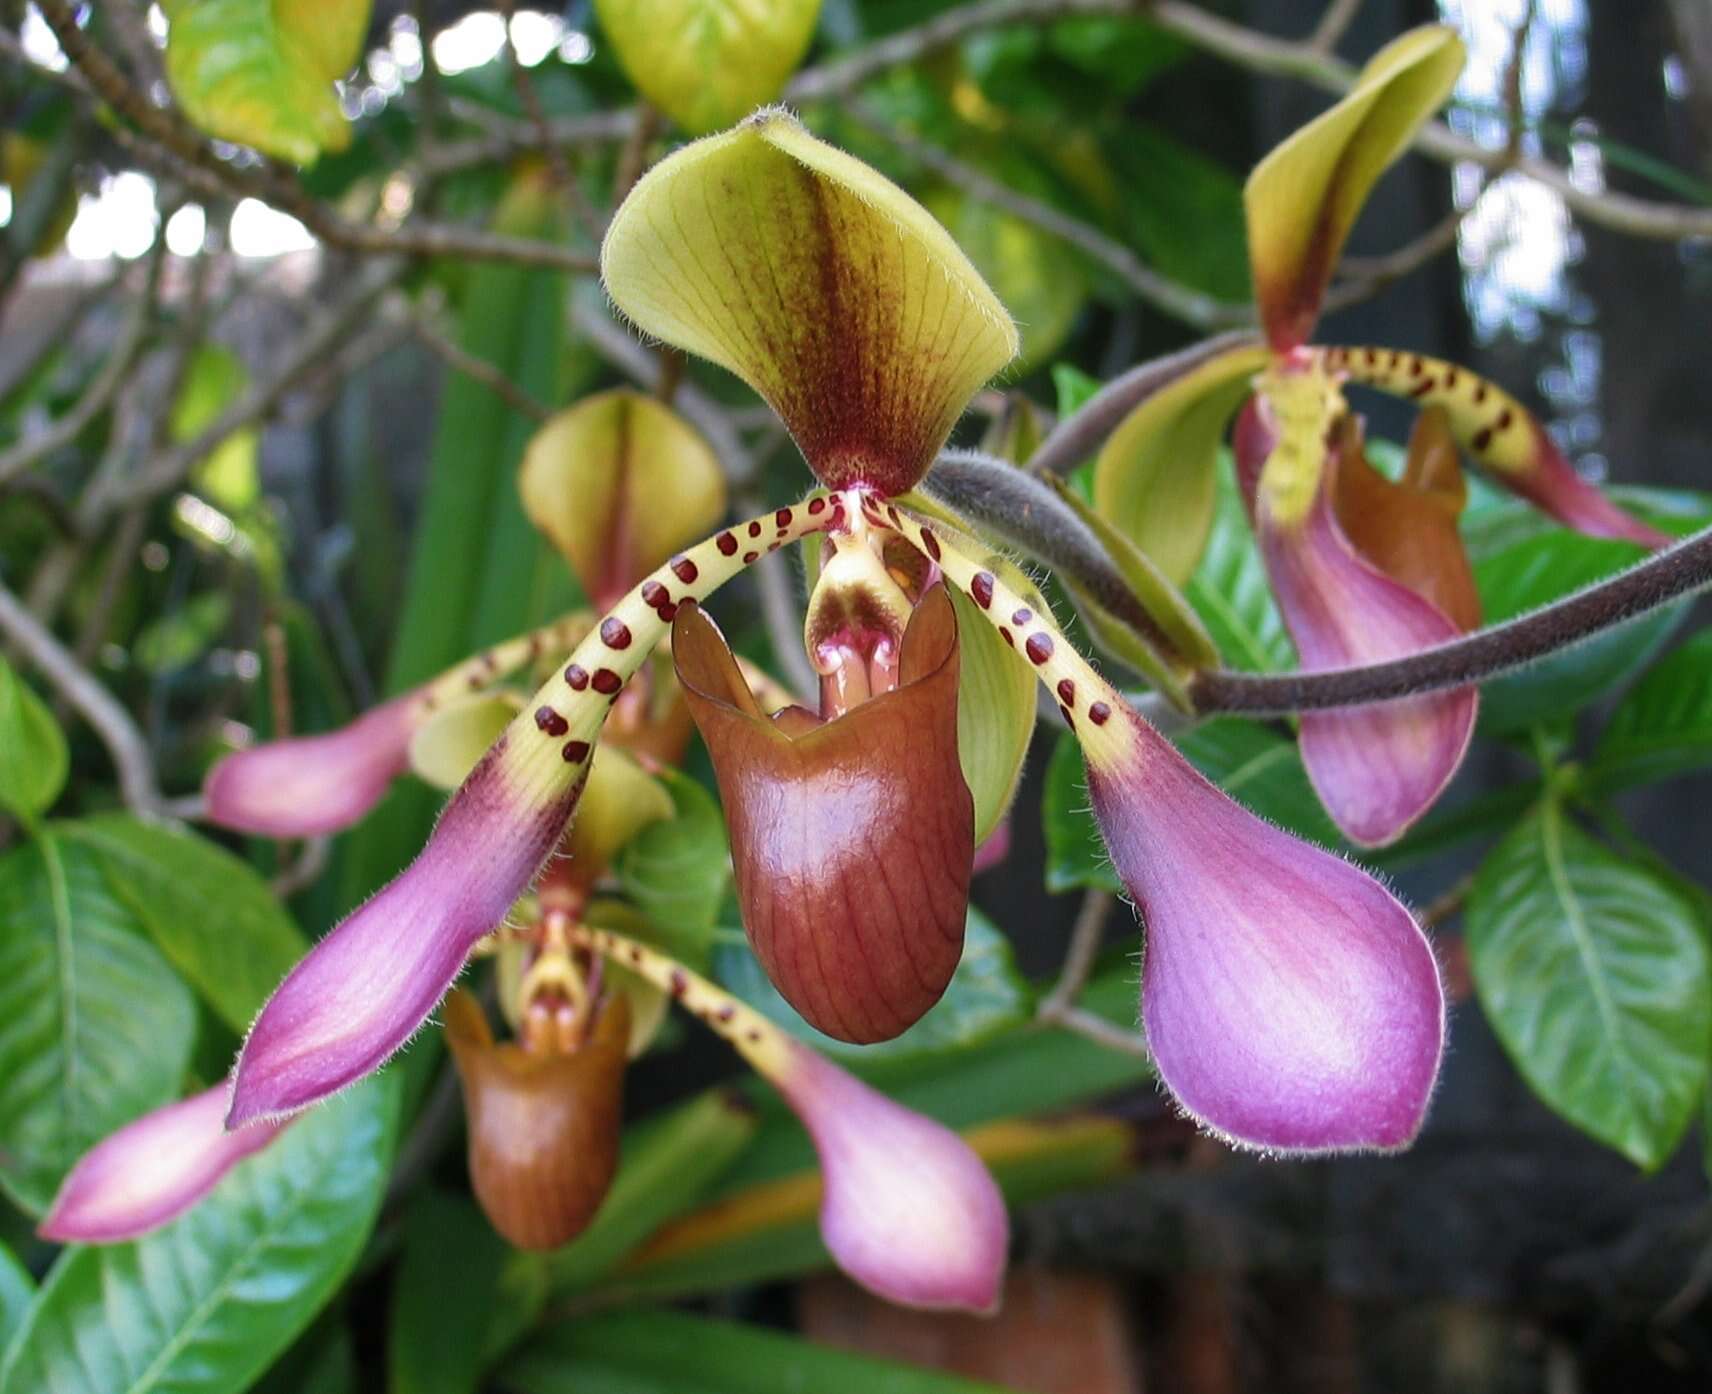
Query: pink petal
x=1291, y=1003
x=1377, y=768
x=364, y=989
x=313, y=784
x=151, y=1171
x=909, y=1211
x=995, y=849
x=1551, y=484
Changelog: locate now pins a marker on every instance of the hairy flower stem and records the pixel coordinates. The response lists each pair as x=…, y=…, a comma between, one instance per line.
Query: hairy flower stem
x=1665, y=576
x=490, y=665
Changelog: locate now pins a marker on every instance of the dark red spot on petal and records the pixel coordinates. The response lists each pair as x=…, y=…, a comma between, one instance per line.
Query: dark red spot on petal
x=575, y=752
x=1416, y=367
x=654, y=594
x=1450, y=377
x=1038, y=648
x=680, y=984
x=727, y=544
x=1022, y=616
x=930, y=542
x=551, y=722
x=815, y=507
x=577, y=676
x=607, y=681
x=1098, y=713
x=1483, y=438
x=684, y=569
x=981, y=587
x=614, y=633
x=726, y=1012
x=1479, y=393
x=1067, y=714
x=1067, y=692
x=1505, y=417
x=1005, y=634
x=782, y=518
x=1423, y=387
x=751, y=557
x=754, y=529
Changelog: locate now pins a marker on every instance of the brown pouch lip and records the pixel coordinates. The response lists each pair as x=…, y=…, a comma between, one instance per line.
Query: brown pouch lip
x=543, y=1127
x=1408, y=528
x=852, y=839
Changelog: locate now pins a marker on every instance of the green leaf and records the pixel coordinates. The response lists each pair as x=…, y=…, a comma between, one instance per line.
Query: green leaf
x=1074, y=388
x=1662, y=728
x=667, y=1163
x=261, y=72
x=986, y=995
x=208, y=912
x=17, y=1291
x=443, y=1297
x=33, y=760
x=1594, y=973
x=1231, y=592
x=95, y=1028
x=676, y=870
x=178, y=639
x=1075, y=854
x=658, y=1352
x=205, y=1304
x=1533, y=572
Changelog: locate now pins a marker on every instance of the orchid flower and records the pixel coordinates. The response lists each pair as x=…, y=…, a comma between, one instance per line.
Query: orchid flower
x=1291, y=1002
x=1329, y=528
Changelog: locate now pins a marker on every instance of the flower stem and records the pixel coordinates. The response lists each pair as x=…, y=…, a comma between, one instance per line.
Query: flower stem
x=1658, y=580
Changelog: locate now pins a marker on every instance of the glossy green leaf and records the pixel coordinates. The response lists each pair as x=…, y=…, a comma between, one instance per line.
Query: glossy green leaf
x=261, y=72
x=1156, y=477
x=207, y=911
x=667, y=1163
x=1515, y=579
x=1663, y=727
x=676, y=870
x=95, y=1028
x=1231, y=593
x=986, y=994
x=33, y=759
x=443, y=1296
x=659, y=1352
x=205, y=1304
x=1595, y=974
x=17, y=1291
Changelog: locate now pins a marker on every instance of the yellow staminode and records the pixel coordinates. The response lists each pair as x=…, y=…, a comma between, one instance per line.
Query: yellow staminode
x=818, y=282
x=1303, y=198
x=705, y=63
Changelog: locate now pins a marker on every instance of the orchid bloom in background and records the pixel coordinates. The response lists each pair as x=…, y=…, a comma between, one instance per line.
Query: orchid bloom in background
x=1291, y=1002
x=1352, y=586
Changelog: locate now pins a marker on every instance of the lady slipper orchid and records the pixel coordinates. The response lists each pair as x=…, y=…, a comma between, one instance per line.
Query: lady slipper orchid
x=151, y=1171
x=1296, y=1007
x=1319, y=512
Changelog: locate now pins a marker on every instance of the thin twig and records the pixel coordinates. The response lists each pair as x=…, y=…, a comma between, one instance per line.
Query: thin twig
x=1447, y=904
x=1361, y=278
x=1091, y=1026
x=1667, y=575
x=1333, y=23
x=106, y=384
x=1169, y=297
x=109, y=720
x=1079, y=956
